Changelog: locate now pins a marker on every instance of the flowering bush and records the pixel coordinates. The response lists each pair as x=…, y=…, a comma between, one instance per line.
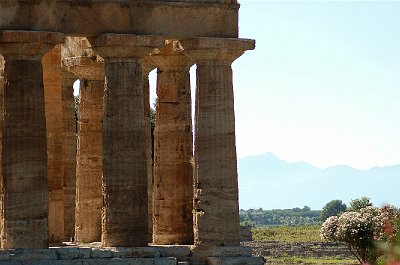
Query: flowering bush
x=361, y=229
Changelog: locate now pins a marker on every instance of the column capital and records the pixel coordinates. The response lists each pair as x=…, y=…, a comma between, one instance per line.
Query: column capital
x=85, y=67
x=223, y=50
x=28, y=45
x=125, y=47
x=67, y=78
x=147, y=67
x=171, y=57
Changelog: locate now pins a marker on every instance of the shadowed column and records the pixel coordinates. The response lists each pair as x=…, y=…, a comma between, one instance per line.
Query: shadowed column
x=1, y=135
x=216, y=187
x=55, y=167
x=24, y=159
x=173, y=148
x=69, y=151
x=89, y=169
x=125, y=212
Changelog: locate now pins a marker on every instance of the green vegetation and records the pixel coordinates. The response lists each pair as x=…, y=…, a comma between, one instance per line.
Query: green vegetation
x=358, y=204
x=308, y=233
x=287, y=217
x=362, y=230
x=307, y=260
x=333, y=208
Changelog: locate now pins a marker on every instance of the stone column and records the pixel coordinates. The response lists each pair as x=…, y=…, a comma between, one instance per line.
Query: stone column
x=89, y=169
x=24, y=159
x=69, y=151
x=1, y=136
x=146, y=69
x=173, y=149
x=55, y=169
x=216, y=187
x=125, y=212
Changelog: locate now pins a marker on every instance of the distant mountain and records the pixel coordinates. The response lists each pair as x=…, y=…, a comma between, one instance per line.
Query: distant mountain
x=268, y=182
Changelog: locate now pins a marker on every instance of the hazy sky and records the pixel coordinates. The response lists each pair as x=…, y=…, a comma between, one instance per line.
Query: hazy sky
x=323, y=85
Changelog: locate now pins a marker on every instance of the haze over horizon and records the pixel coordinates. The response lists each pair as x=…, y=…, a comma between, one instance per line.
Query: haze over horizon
x=269, y=182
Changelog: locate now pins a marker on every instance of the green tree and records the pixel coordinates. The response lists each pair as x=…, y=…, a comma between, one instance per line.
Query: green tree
x=358, y=204
x=332, y=208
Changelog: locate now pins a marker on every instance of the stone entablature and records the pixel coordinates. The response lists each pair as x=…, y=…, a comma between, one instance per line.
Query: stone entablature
x=212, y=18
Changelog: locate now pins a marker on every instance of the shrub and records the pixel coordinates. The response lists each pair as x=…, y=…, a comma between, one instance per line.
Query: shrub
x=361, y=230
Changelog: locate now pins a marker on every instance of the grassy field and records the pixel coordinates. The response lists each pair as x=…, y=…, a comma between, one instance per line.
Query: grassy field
x=287, y=233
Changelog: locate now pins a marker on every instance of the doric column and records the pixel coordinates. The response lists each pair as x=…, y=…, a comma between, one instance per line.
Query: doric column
x=24, y=159
x=89, y=169
x=1, y=136
x=55, y=169
x=173, y=148
x=125, y=212
x=69, y=151
x=216, y=187
x=146, y=69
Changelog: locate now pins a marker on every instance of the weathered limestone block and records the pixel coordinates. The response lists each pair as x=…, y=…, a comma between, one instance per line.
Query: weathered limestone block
x=146, y=69
x=53, y=262
x=222, y=251
x=12, y=262
x=24, y=154
x=99, y=253
x=33, y=254
x=215, y=170
x=125, y=213
x=55, y=142
x=138, y=252
x=89, y=200
x=69, y=154
x=182, y=253
x=173, y=148
x=4, y=254
x=201, y=253
x=73, y=253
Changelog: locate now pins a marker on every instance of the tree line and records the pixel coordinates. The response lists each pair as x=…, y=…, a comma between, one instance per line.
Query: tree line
x=279, y=217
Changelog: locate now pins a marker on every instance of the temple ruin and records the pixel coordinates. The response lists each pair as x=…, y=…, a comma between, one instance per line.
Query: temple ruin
x=98, y=193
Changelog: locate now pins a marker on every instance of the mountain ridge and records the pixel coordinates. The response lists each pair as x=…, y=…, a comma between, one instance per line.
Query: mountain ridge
x=266, y=181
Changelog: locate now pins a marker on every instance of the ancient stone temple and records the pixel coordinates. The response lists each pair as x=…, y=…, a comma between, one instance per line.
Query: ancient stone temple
x=97, y=191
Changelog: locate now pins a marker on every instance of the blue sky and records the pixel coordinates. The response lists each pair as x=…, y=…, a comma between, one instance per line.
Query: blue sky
x=323, y=84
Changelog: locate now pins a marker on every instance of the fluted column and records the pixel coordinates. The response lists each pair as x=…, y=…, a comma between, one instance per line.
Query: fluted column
x=55, y=168
x=69, y=151
x=146, y=69
x=125, y=212
x=89, y=169
x=1, y=136
x=173, y=149
x=216, y=185
x=24, y=159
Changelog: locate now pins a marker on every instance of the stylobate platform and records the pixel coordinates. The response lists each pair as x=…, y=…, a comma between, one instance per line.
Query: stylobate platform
x=154, y=255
